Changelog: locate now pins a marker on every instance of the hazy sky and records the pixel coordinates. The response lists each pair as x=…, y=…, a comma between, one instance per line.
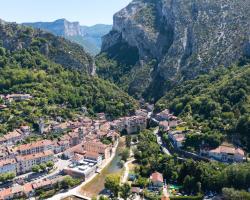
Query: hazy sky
x=87, y=12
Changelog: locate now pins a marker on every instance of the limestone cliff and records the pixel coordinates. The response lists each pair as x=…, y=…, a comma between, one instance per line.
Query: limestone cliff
x=186, y=38
x=87, y=36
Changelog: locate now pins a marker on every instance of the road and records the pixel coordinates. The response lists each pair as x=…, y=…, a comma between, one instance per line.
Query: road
x=159, y=141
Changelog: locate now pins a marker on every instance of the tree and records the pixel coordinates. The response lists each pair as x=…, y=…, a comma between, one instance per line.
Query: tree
x=188, y=184
x=69, y=182
x=103, y=198
x=125, y=154
x=232, y=194
x=128, y=140
x=125, y=191
x=43, y=166
x=50, y=164
x=36, y=168
x=142, y=182
x=112, y=183
x=7, y=176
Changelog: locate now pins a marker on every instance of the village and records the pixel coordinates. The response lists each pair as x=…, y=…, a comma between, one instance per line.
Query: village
x=84, y=147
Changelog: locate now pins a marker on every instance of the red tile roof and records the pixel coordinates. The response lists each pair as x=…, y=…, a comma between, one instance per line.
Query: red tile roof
x=156, y=177
x=35, y=156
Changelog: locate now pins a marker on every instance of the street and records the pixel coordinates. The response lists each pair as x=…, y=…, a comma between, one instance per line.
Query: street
x=159, y=141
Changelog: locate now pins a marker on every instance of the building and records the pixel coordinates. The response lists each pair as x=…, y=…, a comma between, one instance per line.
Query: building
x=129, y=125
x=165, y=115
x=11, y=138
x=8, y=166
x=164, y=126
x=26, y=130
x=74, y=138
x=92, y=156
x=26, y=162
x=225, y=153
x=35, y=147
x=177, y=138
x=156, y=179
x=98, y=147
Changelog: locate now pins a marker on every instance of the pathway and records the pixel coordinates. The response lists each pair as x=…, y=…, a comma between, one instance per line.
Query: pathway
x=159, y=141
x=126, y=172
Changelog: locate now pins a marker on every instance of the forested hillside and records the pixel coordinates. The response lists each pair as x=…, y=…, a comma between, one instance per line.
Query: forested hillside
x=218, y=102
x=57, y=87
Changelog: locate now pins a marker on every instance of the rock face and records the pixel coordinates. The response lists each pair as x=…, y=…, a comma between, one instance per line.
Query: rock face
x=60, y=27
x=186, y=38
x=87, y=36
x=16, y=37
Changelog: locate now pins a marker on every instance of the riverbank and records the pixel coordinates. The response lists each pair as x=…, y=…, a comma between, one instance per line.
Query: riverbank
x=77, y=190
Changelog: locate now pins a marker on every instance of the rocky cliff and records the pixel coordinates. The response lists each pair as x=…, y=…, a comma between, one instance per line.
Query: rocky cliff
x=184, y=38
x=87, y=36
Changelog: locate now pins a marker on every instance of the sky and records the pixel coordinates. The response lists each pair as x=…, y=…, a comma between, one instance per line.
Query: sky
x=87, y=12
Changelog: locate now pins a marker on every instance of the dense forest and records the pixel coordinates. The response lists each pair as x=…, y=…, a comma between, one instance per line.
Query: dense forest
x=58, y=89
x=218, y=102
x=195, y=176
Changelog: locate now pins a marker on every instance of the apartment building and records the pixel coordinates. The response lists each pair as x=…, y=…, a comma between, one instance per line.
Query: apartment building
x=35, y=147
x=26, y=162
x=8, y=166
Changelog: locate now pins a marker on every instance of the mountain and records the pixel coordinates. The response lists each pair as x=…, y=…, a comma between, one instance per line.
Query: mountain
x=157, y=44
x=218, y=101
x=87, y=36
x=69, y=55
x=57, y=73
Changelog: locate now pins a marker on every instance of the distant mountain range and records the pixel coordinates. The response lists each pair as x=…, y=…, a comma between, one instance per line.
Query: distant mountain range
x=87, y=36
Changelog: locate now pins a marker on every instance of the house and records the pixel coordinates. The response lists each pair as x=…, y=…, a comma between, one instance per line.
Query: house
x=74, y=138
x=69, y=153
x=59, y=127
x=28, y=190
x=164, y=126
x=44, y=184
x=98, y=147
x=177, y=138
x=156, y=179
x=225, y=153
x=165, y=115
x=4, y=154
x=26, y=130
x=26, y=162
x=62, y=145
x=11, y=138
x=8, y=166
x=6, y=194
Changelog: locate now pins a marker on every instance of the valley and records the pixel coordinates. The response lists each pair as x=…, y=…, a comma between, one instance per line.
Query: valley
x=154, y=107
